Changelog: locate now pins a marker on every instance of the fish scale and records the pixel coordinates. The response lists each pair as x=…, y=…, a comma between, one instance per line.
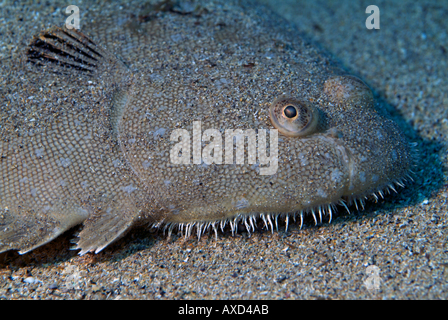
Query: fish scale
x=105, y=105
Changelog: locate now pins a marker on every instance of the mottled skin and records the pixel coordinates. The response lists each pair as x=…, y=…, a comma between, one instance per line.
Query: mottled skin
x=97, y=150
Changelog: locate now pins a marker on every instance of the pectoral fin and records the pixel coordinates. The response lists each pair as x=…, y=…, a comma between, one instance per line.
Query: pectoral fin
x=106, y=226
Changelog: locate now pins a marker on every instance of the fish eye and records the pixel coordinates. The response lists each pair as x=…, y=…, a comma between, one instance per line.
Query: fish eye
x=293, y=117
x=290, y=112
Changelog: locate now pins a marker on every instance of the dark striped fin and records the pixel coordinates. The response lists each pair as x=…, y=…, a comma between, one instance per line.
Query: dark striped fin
x=64, y=51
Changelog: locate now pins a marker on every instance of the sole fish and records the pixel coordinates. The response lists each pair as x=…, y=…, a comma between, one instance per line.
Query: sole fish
x=191, y=115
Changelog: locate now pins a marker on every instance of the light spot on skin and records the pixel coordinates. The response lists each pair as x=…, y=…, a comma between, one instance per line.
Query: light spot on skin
x=336, y=175
x=173, y=209
x=362, y=177
x=256, y=167
x=130, y=188
x=393, y=155
x=146, y=164
x=116, y=163
x=159, y=133
x=303, y=159
x=242, y=203
x=64, y=162
x=321, y=193
x=379, y=134
x=39, y=152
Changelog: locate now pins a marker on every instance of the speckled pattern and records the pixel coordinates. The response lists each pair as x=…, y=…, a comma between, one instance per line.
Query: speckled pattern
x=185, y=74
x=404, y=237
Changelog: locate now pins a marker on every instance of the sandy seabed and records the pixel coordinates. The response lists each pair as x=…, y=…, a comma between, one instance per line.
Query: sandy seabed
x=394, y=249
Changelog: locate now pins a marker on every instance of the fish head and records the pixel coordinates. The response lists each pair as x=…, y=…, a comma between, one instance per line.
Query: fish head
x=216, y=143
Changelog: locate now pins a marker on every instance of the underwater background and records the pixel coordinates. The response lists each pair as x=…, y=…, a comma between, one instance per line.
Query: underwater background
x=394, y=249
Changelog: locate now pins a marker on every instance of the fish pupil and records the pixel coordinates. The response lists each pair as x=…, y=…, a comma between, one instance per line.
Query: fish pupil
x=290, y=112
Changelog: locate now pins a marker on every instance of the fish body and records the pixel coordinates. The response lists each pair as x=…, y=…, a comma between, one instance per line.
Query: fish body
x=140, y=124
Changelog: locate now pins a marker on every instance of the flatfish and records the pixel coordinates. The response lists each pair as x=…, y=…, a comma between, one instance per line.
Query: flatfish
x=188, y=115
